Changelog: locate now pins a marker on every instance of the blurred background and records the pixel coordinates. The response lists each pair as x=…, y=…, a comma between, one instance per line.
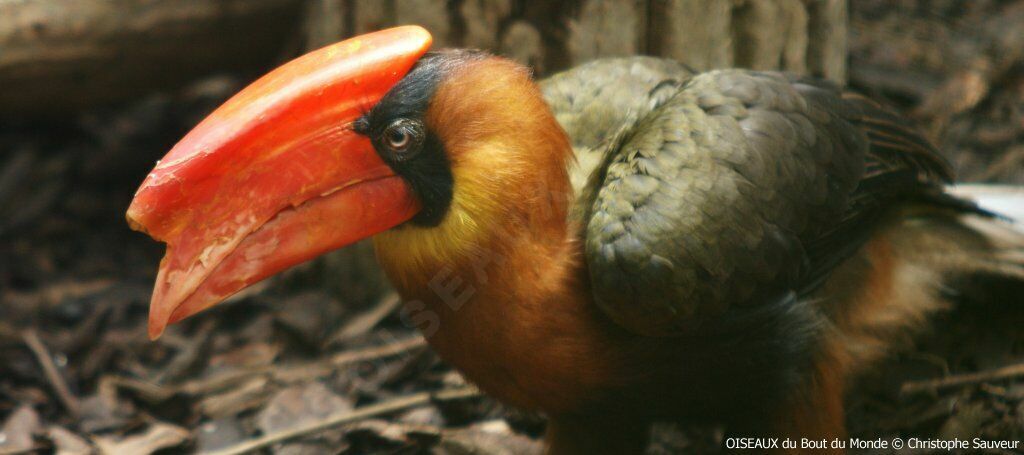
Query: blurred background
x=92, y=92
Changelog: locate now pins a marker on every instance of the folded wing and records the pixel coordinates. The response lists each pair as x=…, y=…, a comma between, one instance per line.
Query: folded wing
x=736, y=188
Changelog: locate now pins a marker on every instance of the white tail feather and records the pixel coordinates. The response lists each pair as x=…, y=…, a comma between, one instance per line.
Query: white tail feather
x=1006, y=200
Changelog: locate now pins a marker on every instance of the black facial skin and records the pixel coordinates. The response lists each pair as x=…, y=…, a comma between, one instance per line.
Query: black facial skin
x=398, y=131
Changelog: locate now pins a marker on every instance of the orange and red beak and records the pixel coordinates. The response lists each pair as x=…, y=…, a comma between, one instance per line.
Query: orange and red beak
x=276, y=176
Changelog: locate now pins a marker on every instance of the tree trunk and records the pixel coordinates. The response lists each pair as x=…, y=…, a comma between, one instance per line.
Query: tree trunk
x=805, y=36
x=59, y=55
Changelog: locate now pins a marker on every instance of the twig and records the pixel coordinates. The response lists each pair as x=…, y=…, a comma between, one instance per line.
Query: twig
x=366, y=412
x=148, y=391
x=197, y=387
x=189, y=353
x=50, y=371
x=303, y=370
x=32, y=449
x=387, y=350
x=935, y=385
x=362, y=323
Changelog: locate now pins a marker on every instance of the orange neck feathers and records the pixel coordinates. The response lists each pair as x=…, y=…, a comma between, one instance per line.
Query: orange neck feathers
x=508, y=158
x=498, y=287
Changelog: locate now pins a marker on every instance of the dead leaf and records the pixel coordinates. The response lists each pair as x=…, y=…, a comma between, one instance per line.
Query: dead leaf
x=159, y=436
x=299, y=405
x=57, y=292
x=428, y=415
x=67, y=443
x=364, y=322
x=218, y=434
x=249, y=356
x=18, y=430
x=309, y=316
x=967, y=422
x=390, y=436
x=305, y=448
x=493, y=437
x=383, y=432
x=103, y=411
x=246, y=396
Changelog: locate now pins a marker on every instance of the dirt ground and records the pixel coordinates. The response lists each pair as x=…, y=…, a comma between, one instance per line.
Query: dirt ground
x=78, y=372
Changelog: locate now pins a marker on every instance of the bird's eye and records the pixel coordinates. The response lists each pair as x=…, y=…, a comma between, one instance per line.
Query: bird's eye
x=402, y=134
x=398, y=138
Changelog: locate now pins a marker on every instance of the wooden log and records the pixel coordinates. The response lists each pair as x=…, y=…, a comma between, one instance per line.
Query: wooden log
x=57, y=55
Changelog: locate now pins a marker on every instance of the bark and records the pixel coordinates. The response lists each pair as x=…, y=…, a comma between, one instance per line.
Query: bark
x=58, y=55
x=62, y=55
x=805, y=36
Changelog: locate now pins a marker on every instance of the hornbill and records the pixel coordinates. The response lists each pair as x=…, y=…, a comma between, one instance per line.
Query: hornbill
x=625, y=242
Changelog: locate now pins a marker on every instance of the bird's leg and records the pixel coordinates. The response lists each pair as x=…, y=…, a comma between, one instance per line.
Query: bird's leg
x=813, y=411
x=579, y=435
x=817, y=413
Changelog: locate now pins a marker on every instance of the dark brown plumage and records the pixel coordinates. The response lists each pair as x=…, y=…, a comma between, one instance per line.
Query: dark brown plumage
x=740, y=245
x=630, y=241
x=782, y=232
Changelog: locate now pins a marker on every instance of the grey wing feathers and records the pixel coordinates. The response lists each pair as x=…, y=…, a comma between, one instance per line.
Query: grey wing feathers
x=713, y=197
x=595, y=100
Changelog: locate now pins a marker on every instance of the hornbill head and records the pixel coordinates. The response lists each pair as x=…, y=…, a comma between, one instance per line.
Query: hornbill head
x=372, y=136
